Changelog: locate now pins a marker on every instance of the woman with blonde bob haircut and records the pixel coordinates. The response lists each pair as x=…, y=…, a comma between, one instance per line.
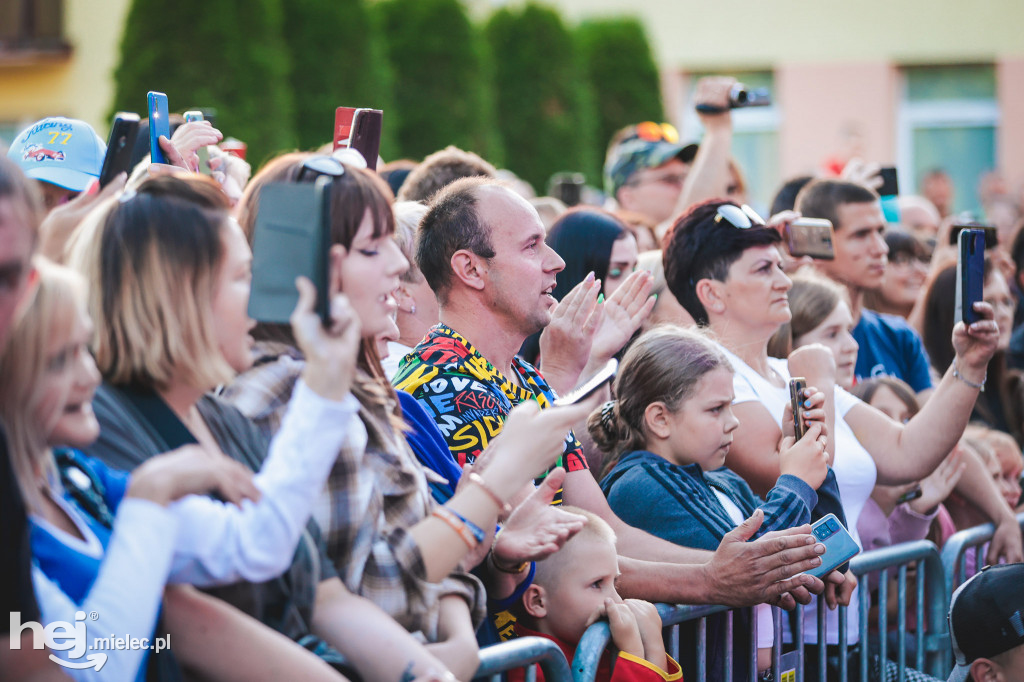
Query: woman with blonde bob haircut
x=163, y=241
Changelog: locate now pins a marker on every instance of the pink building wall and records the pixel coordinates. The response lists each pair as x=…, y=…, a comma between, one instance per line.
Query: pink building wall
x=854, y=109
x=1010, y=141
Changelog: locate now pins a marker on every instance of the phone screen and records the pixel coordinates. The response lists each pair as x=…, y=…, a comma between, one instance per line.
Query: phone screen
x=159, y=124
x=603, y=376
x=366, y=129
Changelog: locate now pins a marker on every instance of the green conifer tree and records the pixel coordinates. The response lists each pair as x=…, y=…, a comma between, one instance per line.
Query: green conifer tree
x=622, y=72
x=442, y=81
x=338, y=58
x=226, y=54
x=545, y=104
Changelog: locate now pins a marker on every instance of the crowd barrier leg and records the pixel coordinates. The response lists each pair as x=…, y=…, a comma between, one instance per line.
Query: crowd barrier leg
x=954, y=562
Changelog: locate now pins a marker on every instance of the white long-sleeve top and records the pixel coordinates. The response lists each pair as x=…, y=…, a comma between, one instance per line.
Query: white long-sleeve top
x=202, y=541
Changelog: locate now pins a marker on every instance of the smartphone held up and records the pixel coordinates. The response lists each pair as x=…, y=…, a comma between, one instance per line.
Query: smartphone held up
x=970, y=274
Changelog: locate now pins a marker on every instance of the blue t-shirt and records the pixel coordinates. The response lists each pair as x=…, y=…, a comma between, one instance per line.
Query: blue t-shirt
x=72, y=570
x=889, y=346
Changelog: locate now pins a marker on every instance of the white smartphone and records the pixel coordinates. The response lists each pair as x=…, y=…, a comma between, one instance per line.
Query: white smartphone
x=603, y=376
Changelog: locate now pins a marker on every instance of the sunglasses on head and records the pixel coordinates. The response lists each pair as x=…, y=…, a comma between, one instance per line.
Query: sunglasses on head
x=649, y=131
x=741, y=217
x=322, y=165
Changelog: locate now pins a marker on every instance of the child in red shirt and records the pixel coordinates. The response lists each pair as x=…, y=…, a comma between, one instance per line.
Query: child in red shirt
x=575, y=587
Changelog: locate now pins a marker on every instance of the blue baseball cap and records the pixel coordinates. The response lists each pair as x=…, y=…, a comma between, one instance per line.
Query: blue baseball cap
x=62, y=151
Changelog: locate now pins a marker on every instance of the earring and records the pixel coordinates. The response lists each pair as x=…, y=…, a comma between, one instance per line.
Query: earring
x=412, y=309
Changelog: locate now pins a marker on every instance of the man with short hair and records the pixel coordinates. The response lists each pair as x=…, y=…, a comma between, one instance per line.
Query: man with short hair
x=647, y=171
x=889, y=346
x=482, y=249
x=441, y=168
x=986, y=626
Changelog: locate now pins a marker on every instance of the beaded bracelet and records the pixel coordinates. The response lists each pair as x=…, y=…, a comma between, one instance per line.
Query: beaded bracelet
x=961, y=377
x=470, y=533
x=478, y=480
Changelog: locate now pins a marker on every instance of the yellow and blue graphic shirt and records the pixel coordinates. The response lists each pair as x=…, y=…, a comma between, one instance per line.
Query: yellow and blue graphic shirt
x=468, y=398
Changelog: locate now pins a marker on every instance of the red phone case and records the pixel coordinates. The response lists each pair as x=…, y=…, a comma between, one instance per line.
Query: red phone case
x=343, y=126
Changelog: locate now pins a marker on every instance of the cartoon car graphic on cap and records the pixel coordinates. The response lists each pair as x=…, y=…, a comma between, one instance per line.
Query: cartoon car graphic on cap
x=40, y=153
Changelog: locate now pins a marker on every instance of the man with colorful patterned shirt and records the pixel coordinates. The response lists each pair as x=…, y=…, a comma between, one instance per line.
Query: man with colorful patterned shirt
x=469, y=398
x=481, y=248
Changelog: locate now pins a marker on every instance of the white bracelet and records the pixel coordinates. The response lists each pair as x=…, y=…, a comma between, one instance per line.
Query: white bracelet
x=961, y=377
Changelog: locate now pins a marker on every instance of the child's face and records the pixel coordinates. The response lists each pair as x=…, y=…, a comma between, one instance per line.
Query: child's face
x=576, y=598
x=836, y=333
x=1010, y=465
x=67, y=387
x=888, y=402
x=700, y=431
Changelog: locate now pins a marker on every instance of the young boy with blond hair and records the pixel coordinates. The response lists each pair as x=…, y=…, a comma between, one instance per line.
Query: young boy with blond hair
x=575, y=587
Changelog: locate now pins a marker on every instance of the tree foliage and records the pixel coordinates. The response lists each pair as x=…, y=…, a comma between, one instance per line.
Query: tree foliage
x=338, y=58
x=227, y=54
x=622, y=72
x=443, y=84
x=545, y=104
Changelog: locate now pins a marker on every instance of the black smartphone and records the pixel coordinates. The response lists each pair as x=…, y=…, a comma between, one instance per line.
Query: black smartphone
x=292, y=237
x=970, y=274
x=911, y=494
x=366, y=129
x=991, y=234
x=120, y=144
x=603, y=376
x=567, y=187
x=796, y=400
x=810, y=237
x=890, y=186
x=159, y=124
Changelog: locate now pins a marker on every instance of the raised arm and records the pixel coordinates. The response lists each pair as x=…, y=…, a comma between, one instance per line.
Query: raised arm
x=911, y=451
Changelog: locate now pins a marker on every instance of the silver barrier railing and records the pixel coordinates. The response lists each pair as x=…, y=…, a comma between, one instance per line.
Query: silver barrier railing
x=527, y=653
x=930, y=637
x=955, y=554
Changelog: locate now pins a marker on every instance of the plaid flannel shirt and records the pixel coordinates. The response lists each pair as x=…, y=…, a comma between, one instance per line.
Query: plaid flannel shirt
x=373, y=495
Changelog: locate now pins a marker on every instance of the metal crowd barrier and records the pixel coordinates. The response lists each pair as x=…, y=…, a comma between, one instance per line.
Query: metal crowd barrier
x=926, y=593
x=527, y=653
x=930, y=637
x=955, y=553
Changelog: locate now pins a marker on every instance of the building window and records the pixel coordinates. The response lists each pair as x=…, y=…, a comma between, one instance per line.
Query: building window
x=948, y=120
x=31, y=26
x=755, y=141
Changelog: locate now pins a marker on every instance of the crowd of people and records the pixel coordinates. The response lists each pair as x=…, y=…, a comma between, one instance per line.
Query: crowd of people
x=388, y=483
